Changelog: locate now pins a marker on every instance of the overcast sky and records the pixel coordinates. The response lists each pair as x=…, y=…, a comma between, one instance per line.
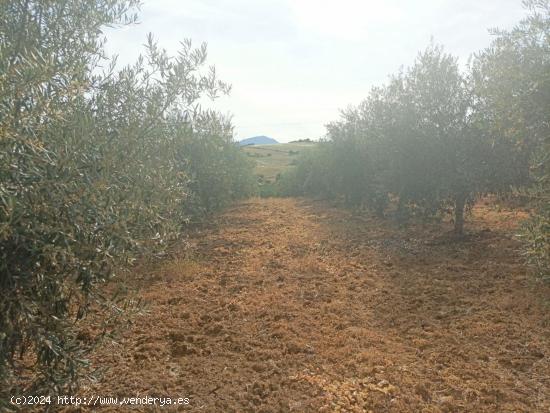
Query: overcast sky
x=294, y=63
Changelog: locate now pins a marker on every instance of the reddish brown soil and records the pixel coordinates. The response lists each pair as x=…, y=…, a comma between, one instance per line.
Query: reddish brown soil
x=295, y=306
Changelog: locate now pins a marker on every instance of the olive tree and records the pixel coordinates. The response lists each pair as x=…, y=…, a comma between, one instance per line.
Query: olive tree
x=511, y=81
x=96, y=169
x=416, y=138
x=443, y=152
x=47, y=50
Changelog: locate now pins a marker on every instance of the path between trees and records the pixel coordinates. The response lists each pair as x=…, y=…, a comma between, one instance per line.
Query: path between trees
x=291, y=305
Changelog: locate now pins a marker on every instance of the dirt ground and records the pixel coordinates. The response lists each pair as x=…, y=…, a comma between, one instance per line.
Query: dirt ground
x=292, y=305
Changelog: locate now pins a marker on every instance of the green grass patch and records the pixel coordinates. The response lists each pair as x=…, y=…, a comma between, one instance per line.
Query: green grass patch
x=273, y=160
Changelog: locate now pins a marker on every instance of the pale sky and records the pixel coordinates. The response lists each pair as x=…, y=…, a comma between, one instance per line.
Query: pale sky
x=294, y=64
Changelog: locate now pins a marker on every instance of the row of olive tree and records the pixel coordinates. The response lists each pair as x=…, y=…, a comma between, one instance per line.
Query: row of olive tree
x=512, y=80
x=435, y=137
x=415, y=138
x=97, y=166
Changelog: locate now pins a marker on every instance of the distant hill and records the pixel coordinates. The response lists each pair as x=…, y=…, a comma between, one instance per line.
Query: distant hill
x=258, y=140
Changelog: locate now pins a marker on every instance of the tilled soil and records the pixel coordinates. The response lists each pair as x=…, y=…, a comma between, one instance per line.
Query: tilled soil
x=291, y=305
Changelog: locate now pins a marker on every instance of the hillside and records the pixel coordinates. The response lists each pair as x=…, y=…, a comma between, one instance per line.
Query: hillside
x=391, y=256
x=272, y=160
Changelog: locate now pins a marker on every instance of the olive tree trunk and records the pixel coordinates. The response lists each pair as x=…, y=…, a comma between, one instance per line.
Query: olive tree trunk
x=460, y=203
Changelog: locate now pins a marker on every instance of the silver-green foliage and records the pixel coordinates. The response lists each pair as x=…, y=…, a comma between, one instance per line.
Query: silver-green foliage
x=414, y=138
x=436, y=137
x=97, y=167
x=514, y=88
